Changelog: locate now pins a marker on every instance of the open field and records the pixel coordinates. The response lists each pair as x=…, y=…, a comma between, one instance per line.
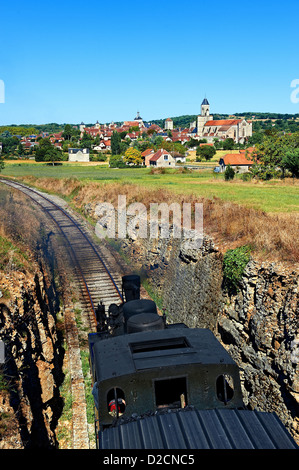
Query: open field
x=271, y=196
x=264, y=215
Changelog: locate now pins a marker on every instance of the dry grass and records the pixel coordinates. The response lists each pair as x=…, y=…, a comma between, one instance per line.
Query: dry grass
x=272, y=237
x=18, y=234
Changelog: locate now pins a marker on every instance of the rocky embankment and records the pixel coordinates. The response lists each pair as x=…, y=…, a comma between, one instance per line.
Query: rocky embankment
x=258, y=324
x=30, y=403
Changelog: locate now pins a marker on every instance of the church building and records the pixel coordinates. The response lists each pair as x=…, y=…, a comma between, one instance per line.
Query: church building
x=208, y=128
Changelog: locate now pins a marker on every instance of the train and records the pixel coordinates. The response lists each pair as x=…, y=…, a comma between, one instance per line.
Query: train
x=159, y=385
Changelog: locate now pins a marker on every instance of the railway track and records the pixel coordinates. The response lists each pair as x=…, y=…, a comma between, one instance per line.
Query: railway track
x=100, y=284
x=97, y=283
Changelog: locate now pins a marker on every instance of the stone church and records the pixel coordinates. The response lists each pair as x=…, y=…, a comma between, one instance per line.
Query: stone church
x=205, y=127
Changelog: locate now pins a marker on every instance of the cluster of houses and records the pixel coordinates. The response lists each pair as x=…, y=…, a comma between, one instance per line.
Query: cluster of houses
x=31, y=141
x=240, y=161
x=133, y=130
x=204, y=127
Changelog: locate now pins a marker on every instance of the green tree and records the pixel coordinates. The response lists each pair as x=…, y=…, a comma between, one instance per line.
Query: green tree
x=116, y=161
x=20, y=149
x=9, y=144
x=53, y=155
x=122, y=134
x=191, y=143
x=123, y=147
x=5, y=134
x=1, y=162
x=291, y=162
x=45, y=152
x=276, y=151
x=206, y=151
x=65, y=146
x=115, y=143
x=143, y=145
x=217, y=144
x=177, y=147
x=86, y=141
x=228, y=144
x=68, y=132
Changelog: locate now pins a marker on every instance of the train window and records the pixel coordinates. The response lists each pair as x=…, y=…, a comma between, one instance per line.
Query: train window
x=116, y=402
x=225, y=388
x=159, y=345
x=171, y=393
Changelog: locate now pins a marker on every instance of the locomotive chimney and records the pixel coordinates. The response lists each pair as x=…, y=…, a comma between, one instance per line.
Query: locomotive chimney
x=131, y=287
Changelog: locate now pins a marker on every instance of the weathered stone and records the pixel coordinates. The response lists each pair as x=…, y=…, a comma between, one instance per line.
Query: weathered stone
x=32, y=346
x=258, y=325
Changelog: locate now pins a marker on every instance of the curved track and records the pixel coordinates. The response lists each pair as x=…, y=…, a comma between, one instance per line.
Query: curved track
x=100, y=284
x=96, y=282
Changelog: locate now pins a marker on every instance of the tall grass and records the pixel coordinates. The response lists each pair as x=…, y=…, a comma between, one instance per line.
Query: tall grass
x=271, y=236
x=271, y=196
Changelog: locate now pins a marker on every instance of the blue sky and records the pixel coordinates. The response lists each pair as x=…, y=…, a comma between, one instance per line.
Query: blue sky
x=73, y=61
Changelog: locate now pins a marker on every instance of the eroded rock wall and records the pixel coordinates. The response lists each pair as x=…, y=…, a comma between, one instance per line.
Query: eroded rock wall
x=33, y=360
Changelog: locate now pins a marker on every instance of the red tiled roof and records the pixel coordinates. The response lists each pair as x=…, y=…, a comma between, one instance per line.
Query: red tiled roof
x=223, y=122
x=158, y=154
x=147, y=152
x=236, y=159
x=131, y=123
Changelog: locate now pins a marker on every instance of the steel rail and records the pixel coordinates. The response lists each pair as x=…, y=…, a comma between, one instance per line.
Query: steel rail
x=27, y=190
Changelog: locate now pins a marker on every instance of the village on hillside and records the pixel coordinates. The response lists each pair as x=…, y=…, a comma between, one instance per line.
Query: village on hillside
x=175, y=143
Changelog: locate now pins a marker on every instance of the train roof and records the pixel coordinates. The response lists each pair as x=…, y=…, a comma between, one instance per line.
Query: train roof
x=199, y=429
x=130, y=353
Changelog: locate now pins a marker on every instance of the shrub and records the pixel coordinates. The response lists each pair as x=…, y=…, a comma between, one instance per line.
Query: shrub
x=116, y=161
x=246, y=176
x=234, y=263
x=229, y=173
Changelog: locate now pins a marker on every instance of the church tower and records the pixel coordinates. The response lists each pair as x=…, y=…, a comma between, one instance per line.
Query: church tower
x=203, y=117
x=205, y=108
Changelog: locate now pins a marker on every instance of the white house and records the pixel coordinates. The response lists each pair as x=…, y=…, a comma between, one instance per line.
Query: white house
x=78, y=155
x=179, y=158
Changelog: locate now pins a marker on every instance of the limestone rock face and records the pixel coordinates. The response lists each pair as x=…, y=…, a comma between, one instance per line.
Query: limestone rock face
x=259, y=327
x=33, y=361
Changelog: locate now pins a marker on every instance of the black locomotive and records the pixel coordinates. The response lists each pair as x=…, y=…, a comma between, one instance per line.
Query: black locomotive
x=159, y=385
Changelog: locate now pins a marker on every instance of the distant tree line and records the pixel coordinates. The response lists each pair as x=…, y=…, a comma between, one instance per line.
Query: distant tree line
x=285, y=121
